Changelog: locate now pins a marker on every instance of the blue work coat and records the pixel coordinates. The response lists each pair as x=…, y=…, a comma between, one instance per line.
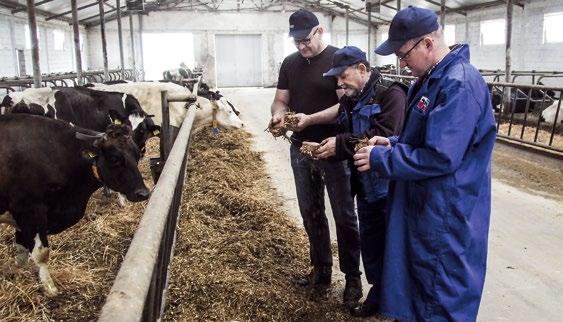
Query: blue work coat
x=439, y=203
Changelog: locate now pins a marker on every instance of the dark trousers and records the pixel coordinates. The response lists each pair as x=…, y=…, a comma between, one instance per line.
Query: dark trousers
x=311, y=176
x=372, y=238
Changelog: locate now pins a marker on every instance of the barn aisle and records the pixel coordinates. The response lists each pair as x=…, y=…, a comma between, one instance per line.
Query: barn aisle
x=524, y=278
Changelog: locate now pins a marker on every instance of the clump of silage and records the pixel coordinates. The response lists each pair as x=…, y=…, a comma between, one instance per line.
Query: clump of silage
x=290, y=122
x=83, y=262
x=237, y=253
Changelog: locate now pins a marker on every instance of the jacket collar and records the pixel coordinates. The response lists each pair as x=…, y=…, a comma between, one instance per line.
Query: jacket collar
x=370, y=84
x=457, y=52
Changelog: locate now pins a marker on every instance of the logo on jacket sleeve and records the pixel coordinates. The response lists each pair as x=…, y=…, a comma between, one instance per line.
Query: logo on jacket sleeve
x=422, y=104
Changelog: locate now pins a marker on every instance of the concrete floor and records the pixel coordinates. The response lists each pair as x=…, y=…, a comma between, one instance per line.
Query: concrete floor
x=525, y=263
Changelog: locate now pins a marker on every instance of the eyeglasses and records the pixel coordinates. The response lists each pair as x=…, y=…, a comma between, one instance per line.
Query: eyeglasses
x=406, y=55
x=306, y=41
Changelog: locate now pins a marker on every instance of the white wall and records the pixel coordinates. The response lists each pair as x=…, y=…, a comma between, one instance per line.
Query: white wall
x=204, y=26
x=12, y=37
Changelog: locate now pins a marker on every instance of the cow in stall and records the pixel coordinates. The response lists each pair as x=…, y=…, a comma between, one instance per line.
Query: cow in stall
x=149, y=96
x=548, y=115
x=519, y=98
x=84, y=107
x=48, y=173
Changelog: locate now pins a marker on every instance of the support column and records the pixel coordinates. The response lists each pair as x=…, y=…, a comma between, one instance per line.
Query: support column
x=442, y=14
x=398, y=62
x=508, y=66
x=76, y=38
x=119, y=32
x=141, y=44
x=347, y=25
x=104, y=43
x=34, y=43
x=132, y=46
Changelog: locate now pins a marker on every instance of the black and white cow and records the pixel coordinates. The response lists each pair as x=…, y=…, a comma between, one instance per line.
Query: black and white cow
x=177, y=74
x=519, y=98
x=84, y=107
x=149, y=96
x=48, y=172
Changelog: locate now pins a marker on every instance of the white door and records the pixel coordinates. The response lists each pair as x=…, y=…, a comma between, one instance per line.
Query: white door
x=239, y=60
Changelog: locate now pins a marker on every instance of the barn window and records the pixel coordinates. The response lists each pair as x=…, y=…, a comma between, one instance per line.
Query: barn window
x=59, y=40
x=493, y=32
x=449, y=34
x=552, y=26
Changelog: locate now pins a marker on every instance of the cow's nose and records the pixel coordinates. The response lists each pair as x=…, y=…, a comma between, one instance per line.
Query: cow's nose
x=142, y=194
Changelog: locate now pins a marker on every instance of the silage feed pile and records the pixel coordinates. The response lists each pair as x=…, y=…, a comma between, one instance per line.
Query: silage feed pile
x=237, y=253
x=83, y=262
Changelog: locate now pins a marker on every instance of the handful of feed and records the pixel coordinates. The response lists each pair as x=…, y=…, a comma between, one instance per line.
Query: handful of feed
x=308, y=148
x=361, y=143
x=290, y=122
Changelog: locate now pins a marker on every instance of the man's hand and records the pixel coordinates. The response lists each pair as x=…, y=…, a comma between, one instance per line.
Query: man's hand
x=276, y=120
x=380, y=140
x=304, y=121
x=361, y=158
x=327, y=148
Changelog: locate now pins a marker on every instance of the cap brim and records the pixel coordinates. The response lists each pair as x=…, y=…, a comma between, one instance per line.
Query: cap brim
x=300, y=34
x=336, y=71
x=389, y=47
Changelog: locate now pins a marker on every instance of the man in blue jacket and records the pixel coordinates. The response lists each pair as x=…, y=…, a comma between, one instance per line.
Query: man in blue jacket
x=440, y=196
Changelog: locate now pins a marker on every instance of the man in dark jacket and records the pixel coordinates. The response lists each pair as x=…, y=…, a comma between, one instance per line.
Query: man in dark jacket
x=369, y=107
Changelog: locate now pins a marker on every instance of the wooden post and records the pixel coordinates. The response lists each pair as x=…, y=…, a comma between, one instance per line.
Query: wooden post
x=104, y=44
x=132, y=46
x=34, y=43
x=76, y=38
x=508, y=66
x=119, y=31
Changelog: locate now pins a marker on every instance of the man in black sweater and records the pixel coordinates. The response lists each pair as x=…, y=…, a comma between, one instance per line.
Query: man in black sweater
x=302, y=89
x=370, y=107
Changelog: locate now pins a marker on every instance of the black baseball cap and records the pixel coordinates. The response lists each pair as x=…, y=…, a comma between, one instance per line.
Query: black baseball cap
x=344, y=58
x=301, y=22
x=407, y=24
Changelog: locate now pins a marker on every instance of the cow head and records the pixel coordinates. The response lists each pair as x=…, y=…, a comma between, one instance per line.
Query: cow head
x=114, y=156
x=227, y=116
x=144, y=131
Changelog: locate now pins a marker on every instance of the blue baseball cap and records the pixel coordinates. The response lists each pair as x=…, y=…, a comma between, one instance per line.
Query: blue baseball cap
x=301, y=22
x=407, y=24
x=344, y=58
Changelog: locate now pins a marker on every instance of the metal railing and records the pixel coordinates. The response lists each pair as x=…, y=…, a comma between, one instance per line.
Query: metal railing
x=518, y=112
x=139, y=290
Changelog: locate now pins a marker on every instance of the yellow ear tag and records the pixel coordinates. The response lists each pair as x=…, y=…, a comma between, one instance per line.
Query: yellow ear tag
x=117, y=121
x=155, y=132
x=95, y=172
x=91, y=154
x=214, y=124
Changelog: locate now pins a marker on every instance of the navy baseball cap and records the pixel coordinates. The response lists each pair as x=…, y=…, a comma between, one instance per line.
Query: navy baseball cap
x=301, y=22
x=407, y=24
x=344, y=58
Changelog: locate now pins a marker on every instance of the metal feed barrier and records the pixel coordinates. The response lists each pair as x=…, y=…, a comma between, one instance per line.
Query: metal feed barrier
x=140, y=287
x=530, y=118
x=67, y=79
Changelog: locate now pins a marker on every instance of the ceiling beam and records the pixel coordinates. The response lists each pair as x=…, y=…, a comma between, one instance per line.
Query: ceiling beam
x=36, y=5
x=15, y=5
x=488, y=5
x=448, y=9
x=70, y=11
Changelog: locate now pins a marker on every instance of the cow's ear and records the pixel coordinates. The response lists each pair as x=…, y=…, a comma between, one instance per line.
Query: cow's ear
x=93, y=141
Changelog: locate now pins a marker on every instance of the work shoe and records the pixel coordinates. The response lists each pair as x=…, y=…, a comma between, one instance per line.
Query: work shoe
x=352, y=291
x=319, y=275
x=364, y=310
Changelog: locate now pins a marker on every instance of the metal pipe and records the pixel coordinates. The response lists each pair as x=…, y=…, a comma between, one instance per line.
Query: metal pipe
x=141, y=42
x=104, y=43
x=127, y=296
x=398, y=69
x=132, y=45
x=508, y=65
x=76, y=38
x=442, y=14
x=34, y=43
x=369, y=35
x=347, y=25
x=119, y=32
